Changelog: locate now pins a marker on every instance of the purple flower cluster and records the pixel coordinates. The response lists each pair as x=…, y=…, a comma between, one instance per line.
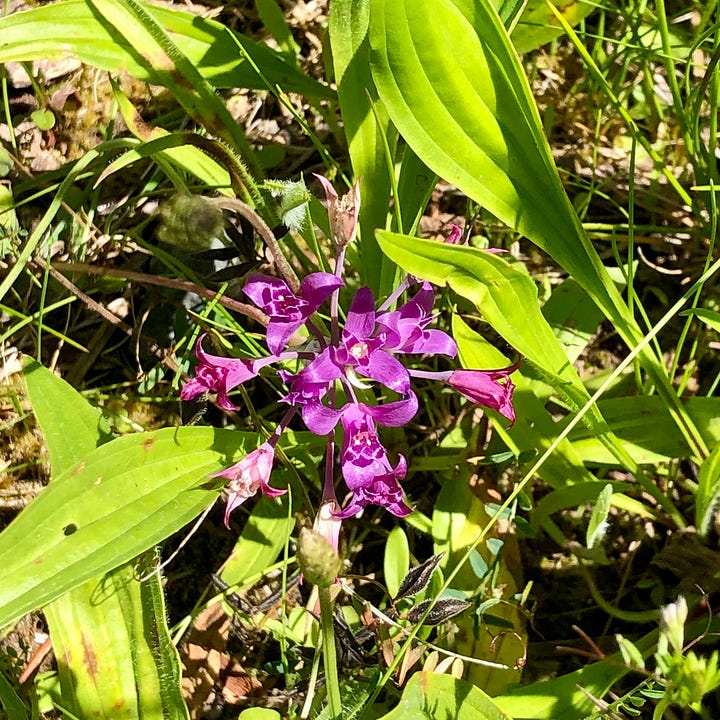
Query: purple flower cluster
x=363, y=354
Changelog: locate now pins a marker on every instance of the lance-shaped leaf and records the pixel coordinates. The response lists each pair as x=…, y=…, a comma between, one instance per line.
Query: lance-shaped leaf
x=454, y=87
x=110, y=634
x=417, y=578
x=442, y=610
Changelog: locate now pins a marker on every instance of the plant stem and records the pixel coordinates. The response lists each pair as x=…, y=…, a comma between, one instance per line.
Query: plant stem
x=329, y=658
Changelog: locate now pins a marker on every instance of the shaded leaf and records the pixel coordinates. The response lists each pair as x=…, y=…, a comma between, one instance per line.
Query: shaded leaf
x=708, y=492
x=417, y=578
x=443, y=609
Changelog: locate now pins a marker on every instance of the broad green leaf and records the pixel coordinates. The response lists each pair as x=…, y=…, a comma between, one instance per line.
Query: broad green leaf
x=367, y=129
x=397, y=559
x=708, y=492
x=646, y=428
x=115, y=657
x=120, y=500
x=454, y=87
x=53, y=30
x=127, y=666
x=53, y=402
x=571, y=696
x=504, y=294
x=434, y=695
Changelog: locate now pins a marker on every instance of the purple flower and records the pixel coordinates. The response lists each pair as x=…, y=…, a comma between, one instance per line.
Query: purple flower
x=492, y=388
x=405, y=327
x=342, y=212
x=220, y=375
x=366, y=468
x=248, y=476
x=286, y=310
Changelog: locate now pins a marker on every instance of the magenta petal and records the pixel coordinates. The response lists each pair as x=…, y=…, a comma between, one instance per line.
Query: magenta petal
x=320, y=419
x=278, y=333
x=389, y=371
x=317, y=287
x=435, y=342
x=264, y=290
x=361, y=315
x=394, y=414
x=248, y=476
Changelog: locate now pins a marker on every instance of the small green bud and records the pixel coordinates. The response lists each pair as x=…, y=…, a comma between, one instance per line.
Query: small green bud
x=191, y=223
x=318, y=561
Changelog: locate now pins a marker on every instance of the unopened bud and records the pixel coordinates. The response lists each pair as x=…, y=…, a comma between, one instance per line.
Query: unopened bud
x=318, y=561
x=672, y=623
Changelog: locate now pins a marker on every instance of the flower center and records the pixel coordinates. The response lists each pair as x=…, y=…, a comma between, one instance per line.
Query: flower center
x=359, y=350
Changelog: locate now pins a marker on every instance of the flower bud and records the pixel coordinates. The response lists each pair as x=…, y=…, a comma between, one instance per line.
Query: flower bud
x=318, y=561
x=672, y=623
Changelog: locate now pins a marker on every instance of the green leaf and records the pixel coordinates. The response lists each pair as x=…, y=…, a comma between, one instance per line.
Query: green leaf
x=259, y=714
x=504, y=294
x=122, y=499
x=646, y=428
x=571, y=696
x=10, y=701
x=44, y=119
x=53, y=402
x=114, y=649
x=434, y=695
x=53, y=30
x=597, y=526
x=538, y=25
x=710, y=317
x=708, y=493
x=397, y=559
x=454, y=87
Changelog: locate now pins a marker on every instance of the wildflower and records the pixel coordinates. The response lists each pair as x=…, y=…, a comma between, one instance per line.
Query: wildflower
x=220, y=375
x=342, y=212
x=368, y=350
x=406, y=327
x=248, y=476
x=492, y=388
x=286, y=310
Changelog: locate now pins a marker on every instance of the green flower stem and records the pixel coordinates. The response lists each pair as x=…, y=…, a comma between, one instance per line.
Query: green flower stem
x=329, y=658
